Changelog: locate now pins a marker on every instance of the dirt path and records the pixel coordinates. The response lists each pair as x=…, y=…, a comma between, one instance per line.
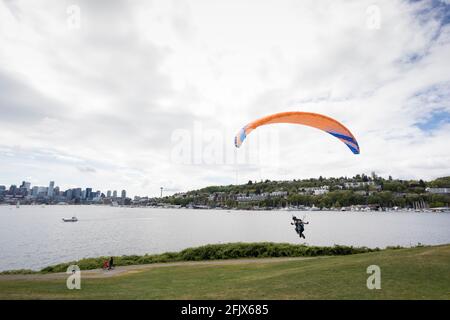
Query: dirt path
x=123, y=270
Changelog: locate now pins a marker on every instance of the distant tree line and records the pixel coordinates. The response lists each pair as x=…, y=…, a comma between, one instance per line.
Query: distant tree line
x=382, y=192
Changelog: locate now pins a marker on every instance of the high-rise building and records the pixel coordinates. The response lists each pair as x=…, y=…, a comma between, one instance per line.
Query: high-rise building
x=25, y=185
x=124, y=194
x=24, y=188
x=97, y=195
x=115, y=194
x=89, y=195
x=13, y=189
x=69, y=194
x=108, y=194
x=76, y=193
x=35, y=191
x=50, y=190
x=42, y=191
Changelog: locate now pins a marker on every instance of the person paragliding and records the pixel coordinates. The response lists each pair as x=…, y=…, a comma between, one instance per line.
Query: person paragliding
x=310, y=119
x=299, y=226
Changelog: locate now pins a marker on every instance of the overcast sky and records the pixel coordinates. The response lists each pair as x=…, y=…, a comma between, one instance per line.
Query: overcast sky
x=143, y=94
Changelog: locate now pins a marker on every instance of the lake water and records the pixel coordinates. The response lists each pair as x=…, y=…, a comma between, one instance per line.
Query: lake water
x=33, y=237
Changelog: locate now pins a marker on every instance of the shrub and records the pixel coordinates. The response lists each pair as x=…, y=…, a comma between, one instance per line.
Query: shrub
x=213, y=252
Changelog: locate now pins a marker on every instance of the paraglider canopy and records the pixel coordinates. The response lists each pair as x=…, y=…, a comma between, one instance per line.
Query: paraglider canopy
x=314, y=120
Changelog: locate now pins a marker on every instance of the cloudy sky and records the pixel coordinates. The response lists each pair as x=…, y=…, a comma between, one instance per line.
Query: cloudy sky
x=143, y=94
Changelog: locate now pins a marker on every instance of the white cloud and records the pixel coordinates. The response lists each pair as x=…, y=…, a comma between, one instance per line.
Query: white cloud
x=111, y=93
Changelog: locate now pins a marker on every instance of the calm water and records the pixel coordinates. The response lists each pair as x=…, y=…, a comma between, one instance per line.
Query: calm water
x=33, y=237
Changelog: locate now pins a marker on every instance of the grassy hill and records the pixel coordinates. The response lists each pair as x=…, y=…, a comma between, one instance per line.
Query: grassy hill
x=416, y=273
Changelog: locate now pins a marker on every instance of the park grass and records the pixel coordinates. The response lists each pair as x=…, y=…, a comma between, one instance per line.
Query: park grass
x=221, y=251
x=415, y=273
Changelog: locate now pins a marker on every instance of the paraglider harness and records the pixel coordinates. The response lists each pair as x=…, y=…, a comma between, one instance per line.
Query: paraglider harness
x=299, y=226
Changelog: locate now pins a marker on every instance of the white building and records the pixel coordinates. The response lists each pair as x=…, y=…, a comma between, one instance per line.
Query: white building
x=438, y=190
x=278, y=194
x=353, y=185
x=250, y=197
x=317, y=190
x=321, y=190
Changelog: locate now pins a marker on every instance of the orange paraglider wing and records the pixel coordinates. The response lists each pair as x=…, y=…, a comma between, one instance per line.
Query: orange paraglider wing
x=314, y=120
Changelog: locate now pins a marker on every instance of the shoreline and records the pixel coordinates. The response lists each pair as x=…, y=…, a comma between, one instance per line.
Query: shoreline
x=346, y=209
x=211, y=252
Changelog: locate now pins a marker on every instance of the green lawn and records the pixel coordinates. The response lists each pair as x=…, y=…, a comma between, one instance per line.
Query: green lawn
x=417, y=273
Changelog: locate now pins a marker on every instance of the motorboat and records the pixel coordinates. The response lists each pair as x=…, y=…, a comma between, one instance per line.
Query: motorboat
x=73, y=219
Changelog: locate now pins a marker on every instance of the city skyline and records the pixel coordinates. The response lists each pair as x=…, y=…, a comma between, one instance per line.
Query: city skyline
x=52, y=193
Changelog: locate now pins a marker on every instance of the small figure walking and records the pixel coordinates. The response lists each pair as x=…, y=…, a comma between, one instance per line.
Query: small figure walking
x=111, y=263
